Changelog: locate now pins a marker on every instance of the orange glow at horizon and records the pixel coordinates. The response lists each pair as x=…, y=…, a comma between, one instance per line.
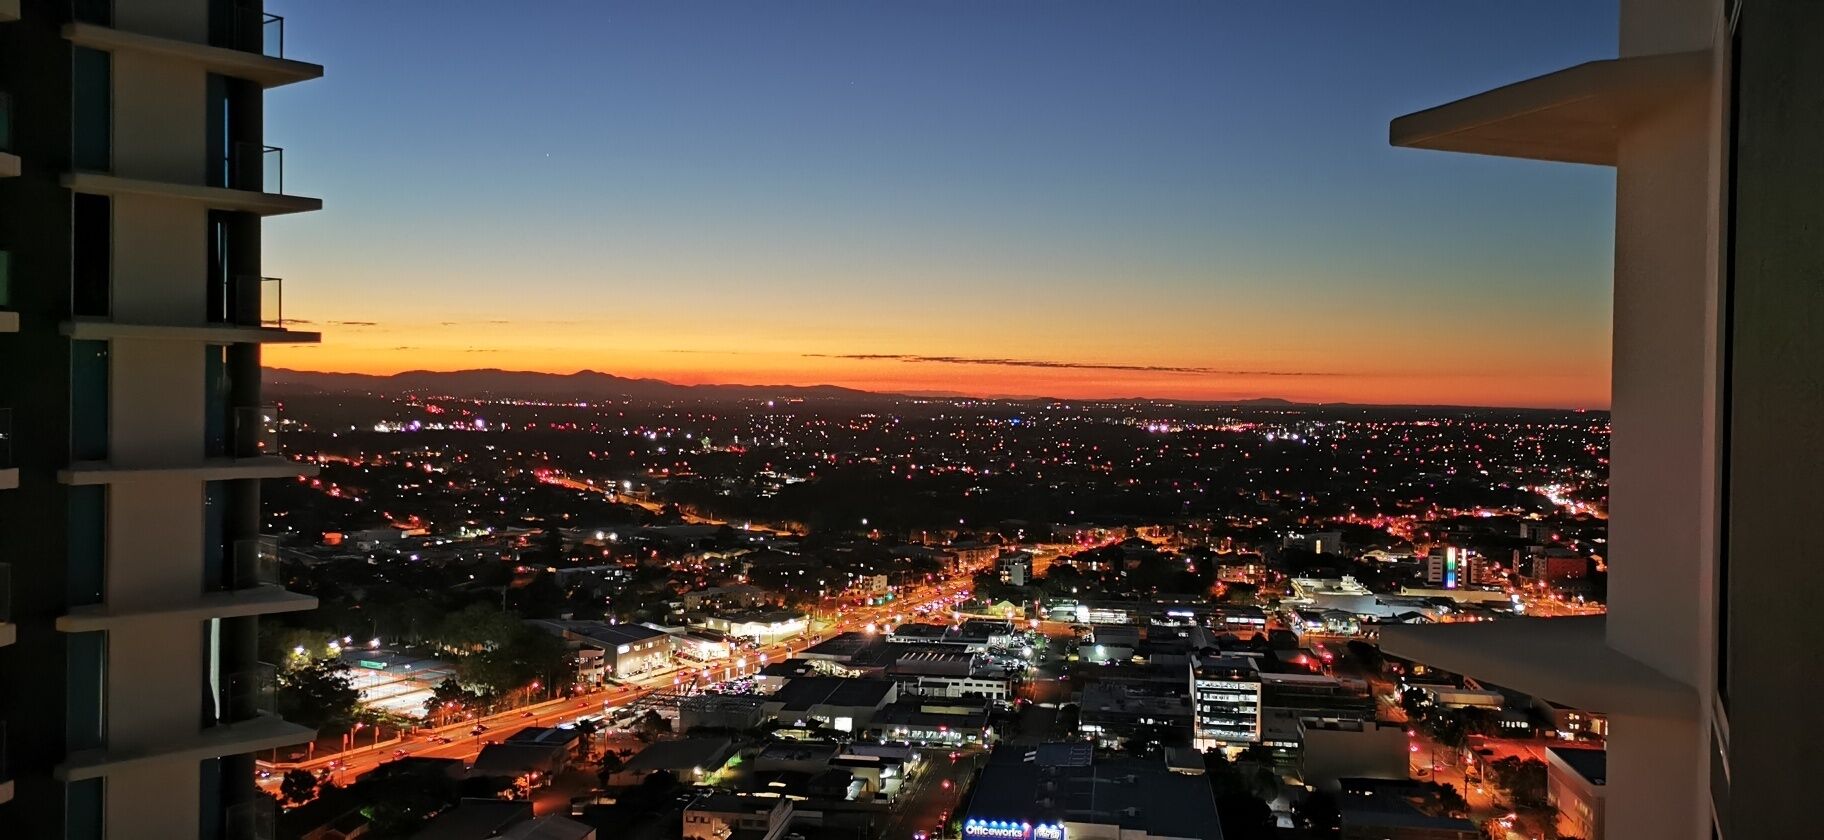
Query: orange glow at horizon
x=1399, y=371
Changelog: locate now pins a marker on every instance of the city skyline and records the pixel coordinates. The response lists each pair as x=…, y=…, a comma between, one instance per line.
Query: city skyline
x=1091, y=202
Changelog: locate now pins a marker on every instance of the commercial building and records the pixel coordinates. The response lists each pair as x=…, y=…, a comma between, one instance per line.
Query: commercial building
x=1317, y=695
x=722, y=816
x=1711, y=115
x=845, y=705
x=1319, y=542
x=1060, y=791
x=948, y=673
x=1015, y=567
x=1225, y=701
x=612, y=651
x=1331, y=750
x=1571, y=723
x=702, y=646
x=931, y=721
x=1574, y=784
x=1397, y=809
x=761, y=627
x=1450, y=567
x=688, y=758
x=1110, y=711
x=133, y=305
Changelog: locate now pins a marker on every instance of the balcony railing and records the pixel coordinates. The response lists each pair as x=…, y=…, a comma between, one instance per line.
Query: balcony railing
x=271, y=297
x=256, y=562
x=255, y=819
x=6, y=121
x=256, y=431
x=255, y=167
x=257, y=31
x=248, y=299
x=246, y=695
x=99, y=12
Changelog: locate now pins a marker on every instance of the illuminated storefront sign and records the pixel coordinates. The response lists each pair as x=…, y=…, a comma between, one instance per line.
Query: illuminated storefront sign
x=1013, y=830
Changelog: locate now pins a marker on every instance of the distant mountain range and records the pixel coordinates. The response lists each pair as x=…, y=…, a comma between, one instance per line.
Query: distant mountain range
x=582, y=385
x=595, y=385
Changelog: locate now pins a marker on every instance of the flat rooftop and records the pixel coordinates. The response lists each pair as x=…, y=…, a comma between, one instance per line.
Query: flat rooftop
x=1137, y=795
x=803, y=693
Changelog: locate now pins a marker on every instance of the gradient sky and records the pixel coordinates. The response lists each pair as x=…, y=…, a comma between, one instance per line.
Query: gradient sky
x=1134, y=198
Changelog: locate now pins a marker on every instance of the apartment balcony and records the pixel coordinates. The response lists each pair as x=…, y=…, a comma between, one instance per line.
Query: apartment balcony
x=9, y=320
x=211, y=333
x=1565, y=660
x=243, y=721
x=9, y=474
x=10, y=165
x=249, y=300
x=200, y=469
x=265, y=599
x=255, y=563
x=256, y=819
x=9, y=632
x=6, y=770
x=1575, y=115
x=249, y=44
x=243, y=200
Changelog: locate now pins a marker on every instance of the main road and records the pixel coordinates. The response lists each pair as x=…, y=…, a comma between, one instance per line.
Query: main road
x=459, y=740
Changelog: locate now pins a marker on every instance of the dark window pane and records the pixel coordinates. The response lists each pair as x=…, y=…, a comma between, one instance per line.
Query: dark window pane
x=88, y=544
x=91, y=255
x=82, y=810
x=88, y=400
x=86, y=683
x=92, y=111
x=216, y=388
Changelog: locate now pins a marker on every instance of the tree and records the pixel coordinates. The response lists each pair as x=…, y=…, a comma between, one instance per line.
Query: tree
x=1524, y=780
x=611, y=764
x=520, y=656
x=401, y=802
x=298, y=786
x=319, y=694
x=448, y=698
x=475, y=628
x=651, y=724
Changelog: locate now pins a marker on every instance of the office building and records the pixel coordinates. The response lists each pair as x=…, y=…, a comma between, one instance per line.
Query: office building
x=1015, y=567
x=1711, y=117
x=1574, y=782
x=134, y=183
x=1225, y=702
x=1449, y=567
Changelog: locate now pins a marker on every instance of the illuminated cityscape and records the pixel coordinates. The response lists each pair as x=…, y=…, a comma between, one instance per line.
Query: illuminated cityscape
x=987, y=453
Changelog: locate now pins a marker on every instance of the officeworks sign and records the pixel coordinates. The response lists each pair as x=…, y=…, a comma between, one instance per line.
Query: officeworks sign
x=1012, y=830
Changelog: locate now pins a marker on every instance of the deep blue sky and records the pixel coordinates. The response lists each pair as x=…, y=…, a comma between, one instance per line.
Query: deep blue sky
x=739, y=190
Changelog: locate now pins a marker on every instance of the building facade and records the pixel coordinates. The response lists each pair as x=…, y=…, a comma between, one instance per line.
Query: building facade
x=1225, y=703
x=1711, y=114
x=136, y=179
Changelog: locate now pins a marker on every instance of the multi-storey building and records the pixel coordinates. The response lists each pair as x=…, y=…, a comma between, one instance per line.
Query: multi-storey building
x=1225, y=702
x=1711, y=116
x=132, y=189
